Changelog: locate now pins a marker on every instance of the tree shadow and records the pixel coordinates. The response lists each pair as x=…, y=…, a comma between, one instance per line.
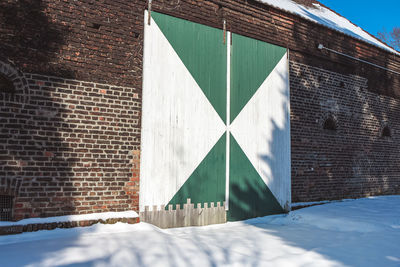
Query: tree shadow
x=354, y=160
x=32, y=38
x=70, y=146
x=263, y=186
x=37, y=159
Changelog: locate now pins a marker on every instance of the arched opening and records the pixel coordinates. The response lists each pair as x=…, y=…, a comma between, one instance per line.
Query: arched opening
x=386, y=132
x=6, y=205
x=330, y=124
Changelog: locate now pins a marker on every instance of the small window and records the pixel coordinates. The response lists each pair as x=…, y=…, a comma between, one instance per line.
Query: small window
x=6, y=85
x=386, y=132
x=6, y=204
x=330, y=124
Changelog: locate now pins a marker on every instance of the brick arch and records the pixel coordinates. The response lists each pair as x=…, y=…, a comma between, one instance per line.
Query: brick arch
x=384, y=127
x=327, y=119
x=10, y=186
x=9, y=70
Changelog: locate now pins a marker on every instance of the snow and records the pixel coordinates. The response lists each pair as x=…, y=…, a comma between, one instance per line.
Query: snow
x=306, y=204
x=364, y=232
x=328, y=18
x=71, y=218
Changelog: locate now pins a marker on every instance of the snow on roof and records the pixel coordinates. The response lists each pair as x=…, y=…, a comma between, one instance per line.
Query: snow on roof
x=322, y=15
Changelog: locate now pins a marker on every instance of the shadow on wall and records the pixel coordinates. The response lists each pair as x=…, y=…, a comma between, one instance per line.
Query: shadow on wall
x=354, y=160
x=74, y=145
x=31, y=38
x=36, y=160
x=249, y=195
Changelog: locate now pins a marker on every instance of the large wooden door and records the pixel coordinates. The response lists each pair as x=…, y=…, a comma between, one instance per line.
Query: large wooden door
x=203, y=101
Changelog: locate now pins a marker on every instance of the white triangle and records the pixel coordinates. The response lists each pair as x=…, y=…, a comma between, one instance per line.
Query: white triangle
x=179, y=124
x=262, y=129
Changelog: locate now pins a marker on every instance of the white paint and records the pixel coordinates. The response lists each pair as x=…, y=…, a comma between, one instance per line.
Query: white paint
x=228, y=117
x=74, y=218
x=179, y=124
x=262, y=130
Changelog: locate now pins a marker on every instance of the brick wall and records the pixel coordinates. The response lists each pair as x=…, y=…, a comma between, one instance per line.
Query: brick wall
x=69, y=146
x=70, y=134
x=87, y=40
x=354, y=160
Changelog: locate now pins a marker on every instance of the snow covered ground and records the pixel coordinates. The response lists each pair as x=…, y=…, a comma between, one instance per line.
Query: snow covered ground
x=84, y=217
x=363, y=232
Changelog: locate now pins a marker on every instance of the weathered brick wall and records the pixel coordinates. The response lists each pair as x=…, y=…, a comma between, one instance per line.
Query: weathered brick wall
x=70, y=135
x=71, y=145
x=352, y=161
x=87, y=40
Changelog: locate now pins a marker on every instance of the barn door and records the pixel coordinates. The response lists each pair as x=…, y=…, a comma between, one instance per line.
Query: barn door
x=198, y=101
x=259, y=130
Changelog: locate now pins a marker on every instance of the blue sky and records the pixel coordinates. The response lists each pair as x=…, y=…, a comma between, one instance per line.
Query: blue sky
x=371, y=15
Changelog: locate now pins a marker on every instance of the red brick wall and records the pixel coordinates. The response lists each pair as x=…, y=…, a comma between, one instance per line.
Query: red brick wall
x=70, y=136
x=88, y=40
x=354, y=160
x=69, y=146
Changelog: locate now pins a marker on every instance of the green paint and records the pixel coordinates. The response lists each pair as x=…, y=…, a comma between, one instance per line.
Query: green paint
x=251, y=63
x=249, y=196
x=203, y=52
x=207, y=182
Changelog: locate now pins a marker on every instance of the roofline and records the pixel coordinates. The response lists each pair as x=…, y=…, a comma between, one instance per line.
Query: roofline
x=370, y=34
x=396, y=53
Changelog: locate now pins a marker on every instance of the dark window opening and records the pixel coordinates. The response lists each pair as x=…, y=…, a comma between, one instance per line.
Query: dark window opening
x=330, y=124
x=94, y=25
x=6, y=85
x=386, y=132
x=6, y=204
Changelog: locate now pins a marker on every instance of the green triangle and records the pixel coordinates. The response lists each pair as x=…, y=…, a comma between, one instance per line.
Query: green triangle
x=207, y=182
x=251, y=63
x=249, y=196
x=202, y=50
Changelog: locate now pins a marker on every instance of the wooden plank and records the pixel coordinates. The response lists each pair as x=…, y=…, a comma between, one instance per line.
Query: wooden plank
x=189, y=215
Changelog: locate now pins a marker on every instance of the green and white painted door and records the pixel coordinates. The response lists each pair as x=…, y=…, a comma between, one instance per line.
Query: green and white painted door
x=215, y=119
